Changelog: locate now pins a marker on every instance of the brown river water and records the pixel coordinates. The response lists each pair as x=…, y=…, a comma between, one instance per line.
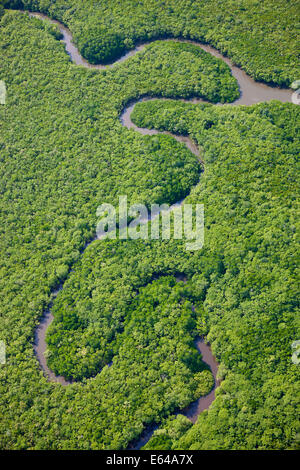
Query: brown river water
x=250, y=92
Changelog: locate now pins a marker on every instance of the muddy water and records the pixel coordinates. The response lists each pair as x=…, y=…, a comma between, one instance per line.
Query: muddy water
x=40, y=346
x=73, y=51
x=127, y=122
x=203, y=403
x=250, y=92
x=193, y=410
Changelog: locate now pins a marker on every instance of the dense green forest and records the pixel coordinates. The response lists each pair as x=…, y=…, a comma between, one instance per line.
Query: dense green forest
x=249, y=312
x=64, y=152
x=261, y=36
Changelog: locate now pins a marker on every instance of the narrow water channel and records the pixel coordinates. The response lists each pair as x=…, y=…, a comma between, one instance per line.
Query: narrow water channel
x=250, y=92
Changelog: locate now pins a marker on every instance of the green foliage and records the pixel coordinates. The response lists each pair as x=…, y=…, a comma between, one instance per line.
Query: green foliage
x=64, y=152
x=205, y=382
x=183, y=70
x=12, y=3
x=261, y=36
x=99, y=45
x=1, y=8
x=90, y=311
x=168, y=433
x=250, y=182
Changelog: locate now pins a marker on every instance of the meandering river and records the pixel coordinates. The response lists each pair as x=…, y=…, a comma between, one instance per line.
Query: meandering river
x=250, y=92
